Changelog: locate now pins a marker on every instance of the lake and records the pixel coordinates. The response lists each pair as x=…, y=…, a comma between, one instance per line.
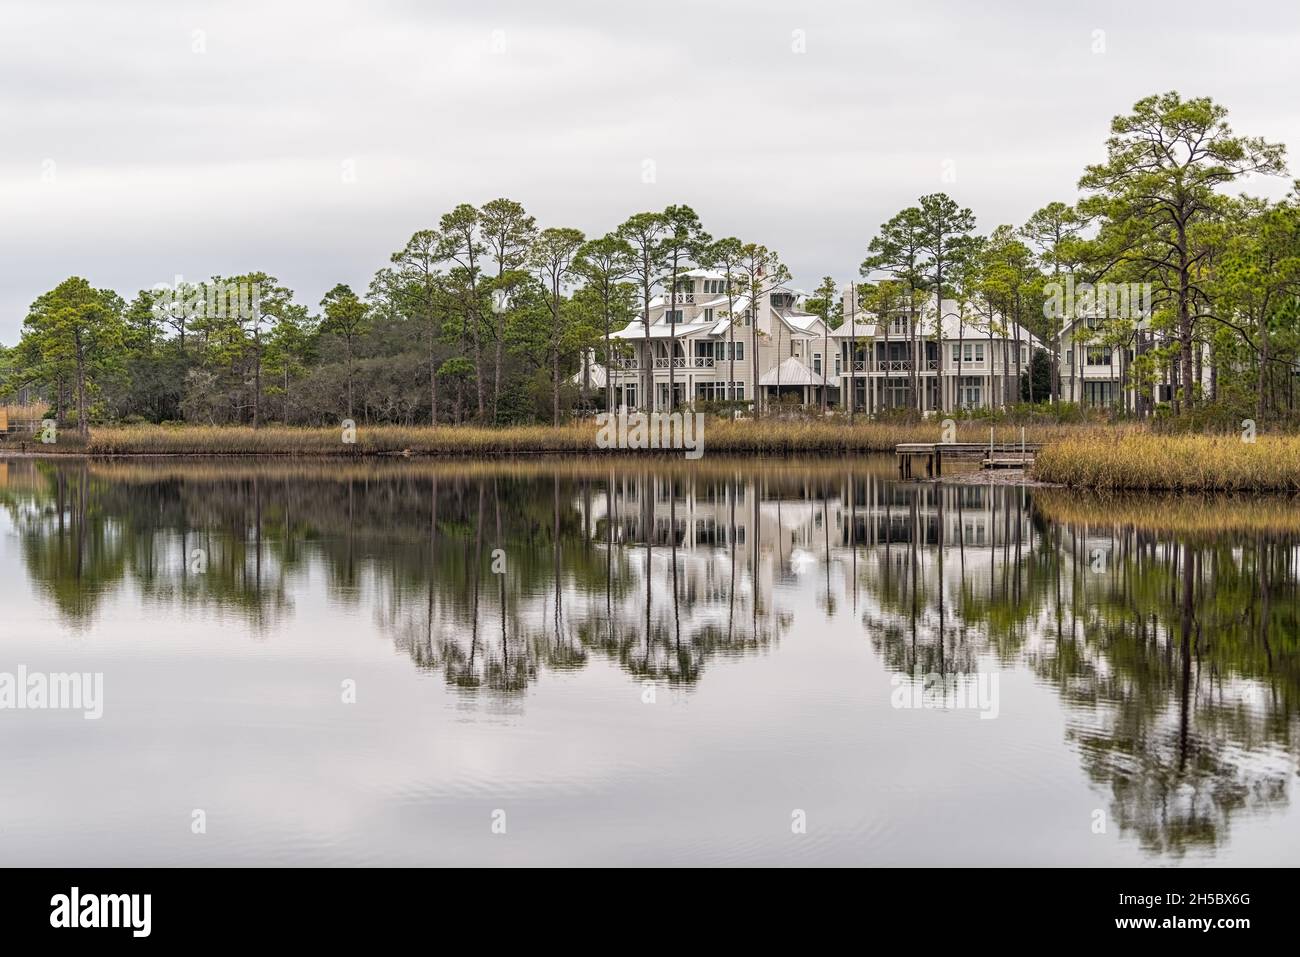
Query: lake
x=614, y=661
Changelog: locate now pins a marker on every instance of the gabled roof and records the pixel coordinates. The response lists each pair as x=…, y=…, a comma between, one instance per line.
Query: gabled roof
x=597, y=376
x=800, y=320
x=861, y=328
x=791, y=372
x=958, y=320
x=662, y=330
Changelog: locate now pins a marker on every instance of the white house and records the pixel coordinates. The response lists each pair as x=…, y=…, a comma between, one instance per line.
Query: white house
x=950, y=357
x=706, y=346
x=1095, y=364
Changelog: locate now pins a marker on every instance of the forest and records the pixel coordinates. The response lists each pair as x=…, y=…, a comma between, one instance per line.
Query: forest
x=489, y=317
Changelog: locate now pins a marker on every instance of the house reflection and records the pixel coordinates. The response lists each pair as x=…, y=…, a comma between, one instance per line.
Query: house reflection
x=1175, y=653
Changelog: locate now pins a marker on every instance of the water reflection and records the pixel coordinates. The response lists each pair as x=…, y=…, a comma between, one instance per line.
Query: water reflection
x=1173, y=651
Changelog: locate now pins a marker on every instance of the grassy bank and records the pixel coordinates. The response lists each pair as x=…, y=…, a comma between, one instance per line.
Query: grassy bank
x=1182, y=463
x=721, y=437
x=1105, y=458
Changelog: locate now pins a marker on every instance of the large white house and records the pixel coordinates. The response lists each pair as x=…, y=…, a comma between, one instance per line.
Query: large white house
x=1095, y=366
x=947, y=356
x=705, y=344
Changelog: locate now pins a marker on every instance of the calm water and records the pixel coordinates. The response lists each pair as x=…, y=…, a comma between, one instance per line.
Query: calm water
x=628, y=663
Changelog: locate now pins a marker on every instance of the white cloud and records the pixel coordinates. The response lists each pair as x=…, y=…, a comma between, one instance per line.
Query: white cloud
x=170, y=161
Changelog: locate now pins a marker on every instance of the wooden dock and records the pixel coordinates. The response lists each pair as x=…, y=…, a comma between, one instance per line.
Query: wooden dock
x=990, y=455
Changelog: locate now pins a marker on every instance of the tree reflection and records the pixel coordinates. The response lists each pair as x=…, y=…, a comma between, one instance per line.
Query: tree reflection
x=1175, y=652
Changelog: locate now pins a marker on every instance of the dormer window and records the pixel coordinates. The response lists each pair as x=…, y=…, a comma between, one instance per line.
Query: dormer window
x=672, y=316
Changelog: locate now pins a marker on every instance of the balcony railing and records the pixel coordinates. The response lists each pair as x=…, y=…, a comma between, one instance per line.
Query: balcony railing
x=702, y=362
x=683, y=298
x=626, y=364
x=895, y=365
x=678, y=362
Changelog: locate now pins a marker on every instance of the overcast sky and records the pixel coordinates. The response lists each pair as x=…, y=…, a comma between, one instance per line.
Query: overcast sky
x=144, y=140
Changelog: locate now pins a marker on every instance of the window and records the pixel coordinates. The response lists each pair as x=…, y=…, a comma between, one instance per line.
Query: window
x=724, y=351
x=969, y=392
x=969, y=353
x=1100, y=393
x=629, y=396
x=708, y=315
x=817, y=363
x=956, y=353
x=979, y=352
x=1099, y=355
x=1024, y=355
x=738, y=391
x=838, y=366
x=673, y=316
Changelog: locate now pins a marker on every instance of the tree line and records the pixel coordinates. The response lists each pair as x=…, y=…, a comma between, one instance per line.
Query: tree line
x=489, y=318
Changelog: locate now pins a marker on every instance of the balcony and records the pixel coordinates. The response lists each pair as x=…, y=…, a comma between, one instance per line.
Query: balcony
x=888, y=366
x=702, y=362
x=683, y=299
x=661, y=362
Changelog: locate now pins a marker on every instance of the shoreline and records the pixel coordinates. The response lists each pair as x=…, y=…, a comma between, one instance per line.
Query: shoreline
x=1088, y=456
x=775, y=438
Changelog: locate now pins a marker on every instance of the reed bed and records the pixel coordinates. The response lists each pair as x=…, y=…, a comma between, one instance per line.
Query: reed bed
x=721, y=437
x=594, y=468
x=1197, y=515
x=1172, y=463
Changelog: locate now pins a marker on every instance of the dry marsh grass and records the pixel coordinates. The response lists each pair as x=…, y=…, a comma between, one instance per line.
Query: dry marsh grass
x=721, y=437
x=590, y=468
x=1192, y=514
x=1178, y=463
